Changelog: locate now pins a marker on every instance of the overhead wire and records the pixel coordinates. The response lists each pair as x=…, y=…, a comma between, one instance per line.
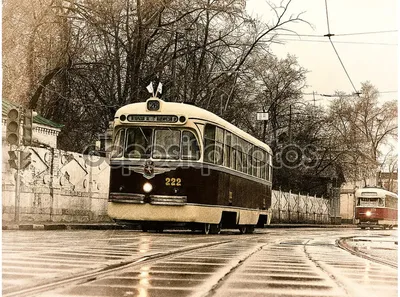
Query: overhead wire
x=337, y=54
x=344, y=42
x=365, y=33
x=344, y=34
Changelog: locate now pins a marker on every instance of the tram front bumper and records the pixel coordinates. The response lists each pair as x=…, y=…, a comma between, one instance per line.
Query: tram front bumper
x=167, y=213
x=152, y=199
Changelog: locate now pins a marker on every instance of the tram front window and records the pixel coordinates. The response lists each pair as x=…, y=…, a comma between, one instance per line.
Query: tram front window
x=370, y=202
x=190, y=147
x=118, y=147
x=138, y=143
x=167, y=144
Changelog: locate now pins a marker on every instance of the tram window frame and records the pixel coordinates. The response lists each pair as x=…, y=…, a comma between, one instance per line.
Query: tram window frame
x=391, y=202
x=219, y=146
x=233, y=151
x=373, y=202
x=167, y=155
x=262, y=169
x=258, y=174
x=118, y=149
x=255, y=161
x=244, y=156
x=227, y=148
x=270, y=172
x=209, y=143
x=251, y=161
x=139, y=150
x=239, y=161
x=249, y=164
x=192, y=143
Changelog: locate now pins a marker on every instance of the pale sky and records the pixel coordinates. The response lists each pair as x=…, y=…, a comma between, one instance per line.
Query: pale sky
x=367, y=57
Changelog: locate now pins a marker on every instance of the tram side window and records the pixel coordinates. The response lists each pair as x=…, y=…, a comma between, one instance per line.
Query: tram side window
x=256, y=163
x=245, y=148
x=209, y=143
x=166, y=144
x=219, y=146
x=118, y=147
x=263, y=164
x=227, y=148
x=391, y=202
x=267, y=165
x=138, y=142
x=270, y=172
x=190, y=147
x=262, y=169
x=250, y=160
x=270, y=167
x=239, y=159
x=233, y=152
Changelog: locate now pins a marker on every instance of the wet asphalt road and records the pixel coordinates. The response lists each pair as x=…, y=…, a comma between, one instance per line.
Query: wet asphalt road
x=271, y=262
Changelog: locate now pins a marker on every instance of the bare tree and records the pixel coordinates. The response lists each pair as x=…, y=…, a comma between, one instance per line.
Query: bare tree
x=357, y=128
x=278, y=91
x=84, y=59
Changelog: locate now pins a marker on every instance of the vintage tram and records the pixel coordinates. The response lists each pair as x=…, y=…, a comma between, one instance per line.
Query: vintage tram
x=375, y=208
x=178, y=164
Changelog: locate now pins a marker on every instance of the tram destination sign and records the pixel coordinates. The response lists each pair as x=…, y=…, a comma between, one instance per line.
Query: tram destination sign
x=153, y=118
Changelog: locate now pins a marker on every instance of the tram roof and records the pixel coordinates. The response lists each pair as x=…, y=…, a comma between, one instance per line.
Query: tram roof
x=191, y=112
x=378, y=191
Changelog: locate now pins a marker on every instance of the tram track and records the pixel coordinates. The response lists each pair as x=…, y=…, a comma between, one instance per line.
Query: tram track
x=341, y=243
x=228, y=265
x=88, y=276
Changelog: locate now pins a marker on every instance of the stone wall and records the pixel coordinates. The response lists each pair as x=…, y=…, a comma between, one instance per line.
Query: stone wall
x=57, y=186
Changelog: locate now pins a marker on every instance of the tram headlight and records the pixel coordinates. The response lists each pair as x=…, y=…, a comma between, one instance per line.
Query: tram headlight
x=147, y=187
x=368, y=213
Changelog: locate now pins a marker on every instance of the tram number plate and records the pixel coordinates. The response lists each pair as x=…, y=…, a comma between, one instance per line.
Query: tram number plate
x=172, y=181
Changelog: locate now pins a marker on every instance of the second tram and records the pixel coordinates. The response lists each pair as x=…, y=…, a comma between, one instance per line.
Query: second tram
x=376, y=208
x=178, y=164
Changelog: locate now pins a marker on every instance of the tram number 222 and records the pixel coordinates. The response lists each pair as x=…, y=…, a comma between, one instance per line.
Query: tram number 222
x=172, y=181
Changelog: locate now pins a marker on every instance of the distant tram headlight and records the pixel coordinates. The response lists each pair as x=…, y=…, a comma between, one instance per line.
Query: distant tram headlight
x=368, y=213
x=147, y=187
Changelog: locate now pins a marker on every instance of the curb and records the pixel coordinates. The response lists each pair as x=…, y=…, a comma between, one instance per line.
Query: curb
x=111, y=226
x=309, y=226
x=28, y=227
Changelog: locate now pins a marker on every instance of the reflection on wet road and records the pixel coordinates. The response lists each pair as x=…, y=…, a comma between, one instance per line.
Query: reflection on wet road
x=272, y=262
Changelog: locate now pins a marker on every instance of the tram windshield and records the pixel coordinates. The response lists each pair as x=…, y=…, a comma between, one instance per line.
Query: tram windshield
x=156, y=143
x=370, y=202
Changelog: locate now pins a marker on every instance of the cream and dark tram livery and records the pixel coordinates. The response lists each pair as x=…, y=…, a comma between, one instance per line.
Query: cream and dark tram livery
x=178, y=164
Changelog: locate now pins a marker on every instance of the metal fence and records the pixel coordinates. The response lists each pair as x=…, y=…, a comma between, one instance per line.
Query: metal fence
x=288, y=207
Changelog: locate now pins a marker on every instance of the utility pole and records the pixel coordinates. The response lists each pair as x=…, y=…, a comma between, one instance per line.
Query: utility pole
x=313, y=93
x=263, y=116
x=174, y=94
x=290, y=123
